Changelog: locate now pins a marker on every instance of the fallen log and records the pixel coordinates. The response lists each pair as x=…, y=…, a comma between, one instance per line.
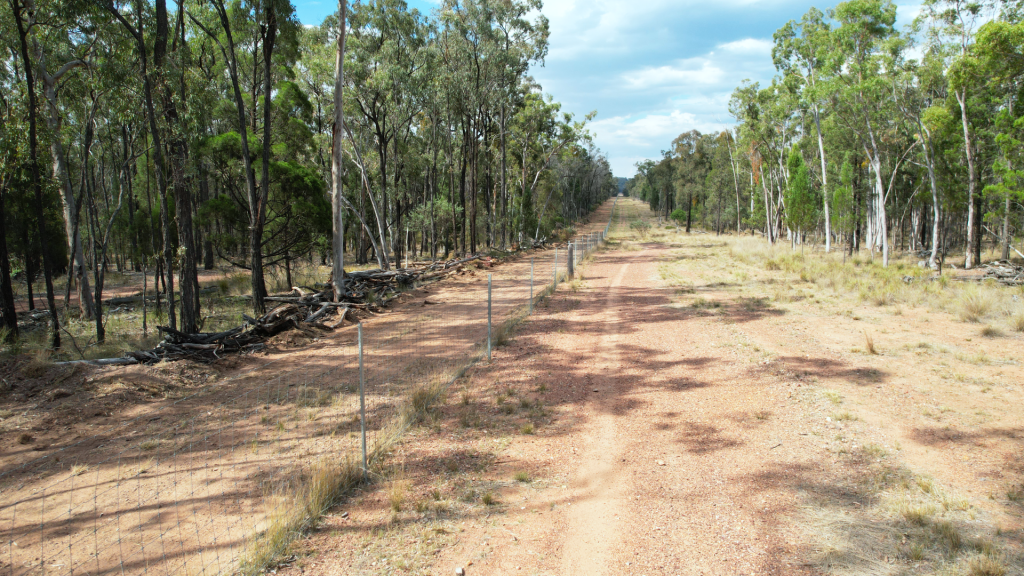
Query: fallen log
x=305, y=309
x=316, y=315
x=136, y=298
x=128, y=361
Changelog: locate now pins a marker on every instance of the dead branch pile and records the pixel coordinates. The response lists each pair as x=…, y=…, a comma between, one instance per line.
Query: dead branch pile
x=312, y=312
x=1005, y=272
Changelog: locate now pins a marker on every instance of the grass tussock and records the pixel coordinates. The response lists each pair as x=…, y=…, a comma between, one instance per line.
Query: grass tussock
x=291, y=514
x=991, y=332
x=1016, y=320
x=974, y=304
x=869, y=344
x=38, y=364
x=986, y=565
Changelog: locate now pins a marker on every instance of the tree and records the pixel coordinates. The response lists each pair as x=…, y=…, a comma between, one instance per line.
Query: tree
x=20, y=12
x=337, y=160
x=801, y=200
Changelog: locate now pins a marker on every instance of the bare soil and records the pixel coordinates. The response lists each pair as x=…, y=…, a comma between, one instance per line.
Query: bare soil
x=734, y=422
x=176, y=467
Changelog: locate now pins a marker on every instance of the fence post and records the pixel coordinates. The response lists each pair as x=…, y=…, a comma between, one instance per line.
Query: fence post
x=555, y=280
x=572, y=259
x=488, y=317
x=362, y=396
x=531, y=285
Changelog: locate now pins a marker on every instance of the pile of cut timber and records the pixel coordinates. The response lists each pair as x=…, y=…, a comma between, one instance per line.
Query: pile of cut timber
x=302, y=309
x=1005, y=272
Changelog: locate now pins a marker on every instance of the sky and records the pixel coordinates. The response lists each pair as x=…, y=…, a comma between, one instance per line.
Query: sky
x=652, y=69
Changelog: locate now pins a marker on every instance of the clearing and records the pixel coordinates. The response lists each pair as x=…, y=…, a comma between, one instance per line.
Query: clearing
x=694, y=406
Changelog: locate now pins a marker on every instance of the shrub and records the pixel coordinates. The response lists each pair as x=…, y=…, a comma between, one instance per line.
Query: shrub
x=641, y=227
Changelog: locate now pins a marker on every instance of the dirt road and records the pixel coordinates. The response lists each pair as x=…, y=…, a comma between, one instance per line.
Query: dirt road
x=683, y=411
x=699, y=429
x=677, y=456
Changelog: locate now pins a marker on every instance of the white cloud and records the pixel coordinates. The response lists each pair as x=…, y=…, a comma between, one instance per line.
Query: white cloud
x=683, y=73
x=659, y=127
x=748, y=46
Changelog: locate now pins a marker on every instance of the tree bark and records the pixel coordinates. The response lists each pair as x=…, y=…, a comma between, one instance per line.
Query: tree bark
x=337, y=161
x=62, y=176
x=259, y=287
x=8, y=316
x=824, y=182
x=37, y=183
x=973, y=253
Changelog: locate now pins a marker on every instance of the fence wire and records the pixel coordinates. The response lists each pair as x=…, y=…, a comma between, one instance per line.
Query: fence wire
x=199, y=485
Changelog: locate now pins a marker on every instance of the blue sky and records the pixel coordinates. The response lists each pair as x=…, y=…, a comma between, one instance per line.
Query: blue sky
x=652, y=69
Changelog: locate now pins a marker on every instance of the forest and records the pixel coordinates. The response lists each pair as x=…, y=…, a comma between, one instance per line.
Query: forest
x=868, y=137
x=161, y=140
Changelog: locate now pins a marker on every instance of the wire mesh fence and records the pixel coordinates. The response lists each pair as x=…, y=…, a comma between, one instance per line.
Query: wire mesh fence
x=221, y=480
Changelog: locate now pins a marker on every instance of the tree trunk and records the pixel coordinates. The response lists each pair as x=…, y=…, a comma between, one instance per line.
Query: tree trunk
x=337, y=164
x=37, y=184
x=62, y=176
x=8, y=316
x=824, y=182
x=930, y=160
x=973, y=253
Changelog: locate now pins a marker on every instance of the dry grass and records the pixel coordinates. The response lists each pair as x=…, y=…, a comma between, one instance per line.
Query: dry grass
x=832, y=396
x=991, y=332
x=1017, y=321
x=1015, y=494
x=396, y=494
x=702, y=303
x=38, y=364
x=326, y=481
x=900, y=284
x=869, y=344
x=986, y=565
x=298, y=507
x=844, y=416
x=974, y=304
x=911, y=526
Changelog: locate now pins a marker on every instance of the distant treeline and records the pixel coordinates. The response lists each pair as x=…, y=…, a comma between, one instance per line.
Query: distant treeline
x=868, y=137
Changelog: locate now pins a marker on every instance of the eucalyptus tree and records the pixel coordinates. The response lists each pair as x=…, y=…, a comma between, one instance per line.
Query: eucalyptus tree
x=689, y=171
x=230, y=109
x=539, y=132
x=65, y=47
x=9, y=157
x=998, y=46
x=337, y=157
x=519, y=44
x=862, y=100
x=919, y=92
x=801, y=49
x=384, y=44
x=24, y=18
x=951, y=27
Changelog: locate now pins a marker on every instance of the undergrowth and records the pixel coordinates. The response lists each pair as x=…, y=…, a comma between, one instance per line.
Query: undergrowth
x=902, y=283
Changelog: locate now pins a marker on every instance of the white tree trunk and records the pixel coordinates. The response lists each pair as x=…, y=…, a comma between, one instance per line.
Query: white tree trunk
x=961, y=98
x=60, y=173
x=824, y=182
